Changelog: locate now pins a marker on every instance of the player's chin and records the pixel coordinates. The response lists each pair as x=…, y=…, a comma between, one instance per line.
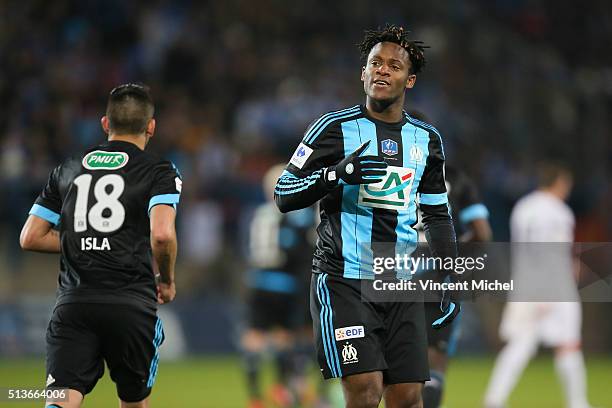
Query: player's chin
x=383, y=96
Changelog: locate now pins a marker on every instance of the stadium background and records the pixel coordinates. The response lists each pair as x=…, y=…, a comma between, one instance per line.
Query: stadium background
x=236, y=83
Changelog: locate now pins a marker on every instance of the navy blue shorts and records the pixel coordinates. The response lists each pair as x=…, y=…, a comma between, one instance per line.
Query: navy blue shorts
x=81, y=337
x=354, y=336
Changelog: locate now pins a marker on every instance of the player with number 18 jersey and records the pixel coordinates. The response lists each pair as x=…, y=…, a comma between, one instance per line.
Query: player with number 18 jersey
x=114, y=206
x=101, y=201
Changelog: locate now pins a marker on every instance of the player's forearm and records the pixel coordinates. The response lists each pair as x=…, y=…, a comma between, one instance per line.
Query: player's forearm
x=49, y=242
x=164, y=252
x=479, y=231
x=293, y=192
x=38, y=235
x=439, y=231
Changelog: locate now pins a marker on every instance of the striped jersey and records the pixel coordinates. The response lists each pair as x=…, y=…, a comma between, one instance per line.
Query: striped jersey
x=359, y=222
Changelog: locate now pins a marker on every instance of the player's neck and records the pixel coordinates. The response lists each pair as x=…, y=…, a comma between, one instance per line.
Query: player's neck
x=138, y=140
x=555, y=192
x=380, y=110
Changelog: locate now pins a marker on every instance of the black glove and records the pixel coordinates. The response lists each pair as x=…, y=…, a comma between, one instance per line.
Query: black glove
x=356, y=169
x=449, y=307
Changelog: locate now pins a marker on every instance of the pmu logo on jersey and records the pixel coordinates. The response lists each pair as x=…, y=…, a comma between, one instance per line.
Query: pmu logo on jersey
x=392, y=193
x=389, y=147
x=101, y=160
x=349, y=354
x=351, y=332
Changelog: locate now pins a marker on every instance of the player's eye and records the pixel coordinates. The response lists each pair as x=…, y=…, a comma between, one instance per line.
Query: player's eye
x=374, y=62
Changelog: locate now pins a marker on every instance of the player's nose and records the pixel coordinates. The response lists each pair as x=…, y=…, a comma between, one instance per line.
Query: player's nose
x=382, y=70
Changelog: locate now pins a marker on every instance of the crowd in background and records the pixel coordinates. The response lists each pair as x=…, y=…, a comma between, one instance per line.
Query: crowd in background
x=236, y=83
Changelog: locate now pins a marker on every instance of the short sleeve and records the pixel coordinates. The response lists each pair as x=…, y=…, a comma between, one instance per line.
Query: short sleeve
x=466, y=198
x=167, y=185
x=48, y=205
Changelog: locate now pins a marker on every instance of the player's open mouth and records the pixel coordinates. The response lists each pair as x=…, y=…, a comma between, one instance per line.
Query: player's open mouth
x=380, y=82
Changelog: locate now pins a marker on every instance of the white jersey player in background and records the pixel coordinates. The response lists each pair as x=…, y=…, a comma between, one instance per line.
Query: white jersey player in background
x=542, y=271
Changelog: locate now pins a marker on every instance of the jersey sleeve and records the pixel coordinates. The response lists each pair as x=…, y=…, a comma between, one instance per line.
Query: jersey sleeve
x=303, y=182
x=167, y=185
x=433, y=202
x=432, y=187
x=470, y=206
x=48, y=205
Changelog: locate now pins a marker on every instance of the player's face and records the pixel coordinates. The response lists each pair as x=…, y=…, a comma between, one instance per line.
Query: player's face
x=386, y=74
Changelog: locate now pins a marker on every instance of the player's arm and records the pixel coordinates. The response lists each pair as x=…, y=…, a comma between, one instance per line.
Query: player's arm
x=437, y=221
x=473, y=214
x=479, y=230
x=318, y=166
x=164, y=247
x=164, y=198
x=37, y=233
x=433, y=202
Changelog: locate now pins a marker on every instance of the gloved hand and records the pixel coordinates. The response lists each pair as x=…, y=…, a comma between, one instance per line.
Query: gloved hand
x=357, y=169
x=449, y=307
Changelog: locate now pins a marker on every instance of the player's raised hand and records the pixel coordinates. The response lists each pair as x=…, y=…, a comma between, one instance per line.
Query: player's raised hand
x=166, y=292
x=357, y=169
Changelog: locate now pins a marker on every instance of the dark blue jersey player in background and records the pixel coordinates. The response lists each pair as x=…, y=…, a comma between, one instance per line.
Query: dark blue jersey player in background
x=367, y=165
x=280, y=253
x=114, y=206
x=470, y=217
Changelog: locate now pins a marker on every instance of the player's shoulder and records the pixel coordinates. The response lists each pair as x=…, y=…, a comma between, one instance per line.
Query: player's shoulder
x=158, y=163
x=423, y=124
x=527, y=202
x=162, y=165
x=543, y=204
x=126, y=155
x=329, y=120
x=69, y=168
x=339, y=115
x=154, y=159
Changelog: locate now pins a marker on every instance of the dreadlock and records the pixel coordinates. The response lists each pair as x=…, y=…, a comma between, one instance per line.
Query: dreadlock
x=397, y=35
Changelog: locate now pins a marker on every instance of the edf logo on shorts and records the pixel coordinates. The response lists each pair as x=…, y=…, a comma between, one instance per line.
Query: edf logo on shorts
x=351, y=332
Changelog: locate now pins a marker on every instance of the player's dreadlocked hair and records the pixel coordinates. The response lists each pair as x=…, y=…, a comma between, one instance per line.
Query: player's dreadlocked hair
x=397, y=35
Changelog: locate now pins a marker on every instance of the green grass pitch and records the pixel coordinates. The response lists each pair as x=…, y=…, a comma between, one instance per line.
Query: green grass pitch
x=218, y=382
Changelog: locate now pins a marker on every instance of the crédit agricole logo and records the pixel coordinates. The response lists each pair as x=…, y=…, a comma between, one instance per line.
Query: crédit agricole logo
x=392, y=193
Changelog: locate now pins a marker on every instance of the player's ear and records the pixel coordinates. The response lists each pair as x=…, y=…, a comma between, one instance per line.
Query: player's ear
x=410, y=81
x=150, y=128
x=362, y=73
x=104, y=123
